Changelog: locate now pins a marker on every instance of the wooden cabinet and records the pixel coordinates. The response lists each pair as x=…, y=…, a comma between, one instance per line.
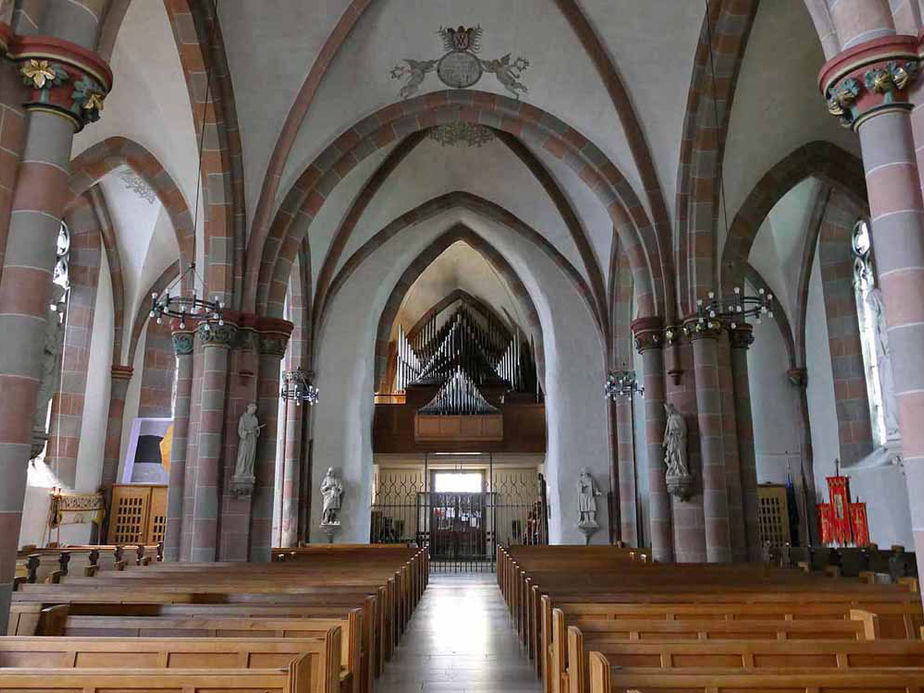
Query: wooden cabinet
x=139, y=514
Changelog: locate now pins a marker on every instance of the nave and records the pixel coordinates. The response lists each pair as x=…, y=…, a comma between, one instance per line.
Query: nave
x=460, y=640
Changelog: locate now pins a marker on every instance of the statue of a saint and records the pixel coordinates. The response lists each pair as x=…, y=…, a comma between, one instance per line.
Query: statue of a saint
x=677, y=477
x=331, y=492
x=675, y=442
x=52, y=349
x=248, y=430
x=883, y=362
x=587, y=500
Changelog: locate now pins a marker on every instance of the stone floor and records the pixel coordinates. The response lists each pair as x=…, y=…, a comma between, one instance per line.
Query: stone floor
x=460, y=639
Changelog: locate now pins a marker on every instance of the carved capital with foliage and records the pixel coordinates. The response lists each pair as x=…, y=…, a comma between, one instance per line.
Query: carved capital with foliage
x=213, y=334
x=741, y=337
x=702, y=328
x=649, y=333
x=183, y=342
x=274, y=336
x=60, y=77
x=869, y=79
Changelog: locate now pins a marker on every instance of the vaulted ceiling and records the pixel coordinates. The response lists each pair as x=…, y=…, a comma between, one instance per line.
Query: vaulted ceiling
x=620, y=73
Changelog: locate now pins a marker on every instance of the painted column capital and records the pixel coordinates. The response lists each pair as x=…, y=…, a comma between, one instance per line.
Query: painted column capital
x=649, y=333
x=741, y=337
x=215, y=335
x=61, y=77
x=274, y=336
x=184, y=341
x=870, y=79
x=702, y=328
x=121, y=372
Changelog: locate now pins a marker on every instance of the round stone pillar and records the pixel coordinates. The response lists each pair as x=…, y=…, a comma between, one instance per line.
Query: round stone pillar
x=66, y=87
x=711, y=440
x=625, y=478
x=216, y=341
x=866, y=87
x=649, y=340
x=274, y=336
x=296, y=416
x=183, y=346
x=740, y=339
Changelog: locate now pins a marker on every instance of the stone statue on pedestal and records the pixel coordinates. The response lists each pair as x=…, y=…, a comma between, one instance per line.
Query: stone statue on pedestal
x=331, y=493
x=587, y=504
x=678, y=478
x=248, y=430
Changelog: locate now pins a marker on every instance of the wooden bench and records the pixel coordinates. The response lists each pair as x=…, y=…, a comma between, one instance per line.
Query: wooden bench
x=280, y=680
x=603, y=679
x=743, y=654
x=313, y=663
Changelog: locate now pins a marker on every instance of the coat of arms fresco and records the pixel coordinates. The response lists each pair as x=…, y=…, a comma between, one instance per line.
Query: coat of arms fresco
x=460, y=67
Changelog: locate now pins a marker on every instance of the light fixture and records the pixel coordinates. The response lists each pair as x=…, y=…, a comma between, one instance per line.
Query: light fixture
x=622, y=384
x=183, y=308
x=297, y=387
x=735, y=309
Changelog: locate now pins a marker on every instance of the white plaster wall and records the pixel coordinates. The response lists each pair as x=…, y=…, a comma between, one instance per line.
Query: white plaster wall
x=820, y=390
x=774, y=407
x=577, y=433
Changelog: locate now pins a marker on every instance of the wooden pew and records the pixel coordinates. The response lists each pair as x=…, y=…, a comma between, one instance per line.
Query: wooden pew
x=604, y=679
x=312, y=663
x=147, y=680
x=745, y=654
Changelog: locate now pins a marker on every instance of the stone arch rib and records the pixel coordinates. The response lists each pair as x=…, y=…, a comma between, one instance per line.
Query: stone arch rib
x=93, y=164
x=822, y=160
x=443, y=203
x=530, y=124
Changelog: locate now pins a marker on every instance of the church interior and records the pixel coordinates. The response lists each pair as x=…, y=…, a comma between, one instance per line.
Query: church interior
x=414, y=345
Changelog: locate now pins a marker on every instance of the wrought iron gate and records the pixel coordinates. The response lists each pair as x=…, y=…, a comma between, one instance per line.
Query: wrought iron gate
x=461, y=529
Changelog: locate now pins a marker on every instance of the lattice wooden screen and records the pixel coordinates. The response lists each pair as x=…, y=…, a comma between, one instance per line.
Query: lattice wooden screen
x=138, y=514
x=773, y=514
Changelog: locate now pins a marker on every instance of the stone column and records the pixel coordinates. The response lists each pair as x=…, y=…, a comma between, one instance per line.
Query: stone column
x=737, y=528
x=216, y=341
x=183, y=346
x=65, y=92
x=274, y=336
x=121, y=377
x=711, y=443
x=808, y=528
x=649, y=341
x=866, y=88
x=292, y=456
x=741, y=338
x=625, y=455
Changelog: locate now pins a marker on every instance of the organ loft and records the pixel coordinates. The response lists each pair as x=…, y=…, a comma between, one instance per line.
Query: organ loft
x=570, y=346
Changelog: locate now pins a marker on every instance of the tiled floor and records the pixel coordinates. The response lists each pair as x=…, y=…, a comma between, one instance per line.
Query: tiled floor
x=460, y=639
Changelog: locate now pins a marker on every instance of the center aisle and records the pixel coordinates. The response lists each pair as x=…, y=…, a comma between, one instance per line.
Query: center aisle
x=460, y=639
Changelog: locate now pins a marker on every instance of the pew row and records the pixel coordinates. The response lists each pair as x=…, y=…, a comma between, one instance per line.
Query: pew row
x=312, y=664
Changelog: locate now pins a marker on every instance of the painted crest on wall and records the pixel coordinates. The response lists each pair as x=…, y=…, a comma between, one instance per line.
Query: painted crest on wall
x=460, y=67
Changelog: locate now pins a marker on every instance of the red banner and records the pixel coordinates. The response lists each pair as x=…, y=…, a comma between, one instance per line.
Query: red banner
x=824, y=522
x=859, y=524
x=839, y=500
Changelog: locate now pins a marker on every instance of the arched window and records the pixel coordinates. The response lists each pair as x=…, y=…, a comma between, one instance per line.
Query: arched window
x=874, y=338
